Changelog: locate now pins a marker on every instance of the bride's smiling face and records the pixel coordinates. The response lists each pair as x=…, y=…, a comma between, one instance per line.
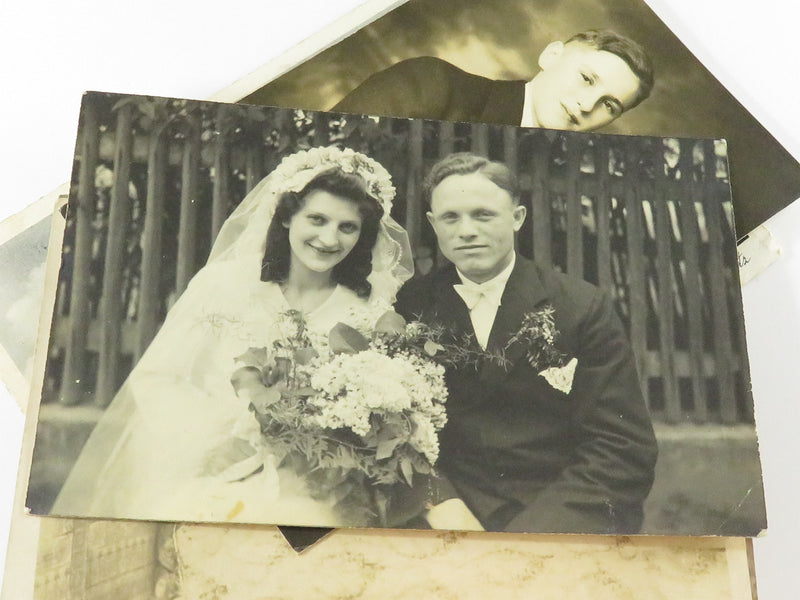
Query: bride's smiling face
x=324, y=231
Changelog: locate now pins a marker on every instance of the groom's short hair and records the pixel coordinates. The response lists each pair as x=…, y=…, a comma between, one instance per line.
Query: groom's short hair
x=465, y=163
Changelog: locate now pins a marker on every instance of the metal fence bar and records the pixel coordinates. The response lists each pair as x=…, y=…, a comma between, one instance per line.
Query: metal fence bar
x=111, y=312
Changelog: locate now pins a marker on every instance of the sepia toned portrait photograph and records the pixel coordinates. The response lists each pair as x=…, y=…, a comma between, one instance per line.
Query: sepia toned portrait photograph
x=277, y=316
x=612, y=66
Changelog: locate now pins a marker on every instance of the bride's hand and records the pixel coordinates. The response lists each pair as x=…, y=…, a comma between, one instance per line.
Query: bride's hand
x=231, y=452
x=453, y=514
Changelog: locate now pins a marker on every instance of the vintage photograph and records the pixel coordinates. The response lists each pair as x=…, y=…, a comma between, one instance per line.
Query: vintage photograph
x=612, y=66
x=24, y=240
x=279, y=316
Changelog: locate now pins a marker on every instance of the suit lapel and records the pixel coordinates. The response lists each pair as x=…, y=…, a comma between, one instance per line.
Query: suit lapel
x=523, y=293
x=504, y=102
x=450, y=310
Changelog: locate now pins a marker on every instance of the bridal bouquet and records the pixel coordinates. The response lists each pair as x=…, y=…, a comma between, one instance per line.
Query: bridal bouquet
x=361, y=424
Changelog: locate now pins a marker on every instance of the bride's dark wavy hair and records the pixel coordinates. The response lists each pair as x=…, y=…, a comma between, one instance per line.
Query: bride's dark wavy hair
x=354, y=269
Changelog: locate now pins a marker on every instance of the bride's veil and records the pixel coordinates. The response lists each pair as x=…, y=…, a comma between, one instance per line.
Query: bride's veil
x=244, y=233
x=177, y=353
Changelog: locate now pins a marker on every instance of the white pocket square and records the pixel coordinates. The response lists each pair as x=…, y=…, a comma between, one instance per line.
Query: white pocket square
x=561, y=377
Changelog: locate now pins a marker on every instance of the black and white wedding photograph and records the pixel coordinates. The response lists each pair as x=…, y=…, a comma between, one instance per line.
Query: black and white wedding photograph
x=286, y=317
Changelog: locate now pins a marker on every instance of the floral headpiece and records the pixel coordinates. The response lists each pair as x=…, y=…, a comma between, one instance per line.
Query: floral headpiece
x=298, y=169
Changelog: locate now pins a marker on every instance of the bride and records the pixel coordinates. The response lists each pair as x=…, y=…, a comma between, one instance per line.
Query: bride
x=177, y=443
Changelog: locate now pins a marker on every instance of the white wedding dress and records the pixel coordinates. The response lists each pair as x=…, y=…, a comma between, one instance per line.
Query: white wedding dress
x=146, y=458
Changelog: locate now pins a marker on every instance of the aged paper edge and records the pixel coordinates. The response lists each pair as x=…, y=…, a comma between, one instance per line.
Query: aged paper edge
x=10, y=228
x=742, y=579
x=757, y=251
x=23, y=539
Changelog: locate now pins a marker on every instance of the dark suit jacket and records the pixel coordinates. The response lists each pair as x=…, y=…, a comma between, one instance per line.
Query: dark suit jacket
x=430, y=88
x=523, y=455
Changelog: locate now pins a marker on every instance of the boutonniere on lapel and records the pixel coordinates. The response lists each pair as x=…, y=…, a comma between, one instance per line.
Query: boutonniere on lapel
x=537, y=334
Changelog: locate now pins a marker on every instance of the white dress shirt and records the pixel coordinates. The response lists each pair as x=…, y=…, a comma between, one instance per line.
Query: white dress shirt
x=527, y=108
x=483, y=300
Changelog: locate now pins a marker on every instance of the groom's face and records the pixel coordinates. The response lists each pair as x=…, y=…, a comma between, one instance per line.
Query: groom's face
x=475, y=221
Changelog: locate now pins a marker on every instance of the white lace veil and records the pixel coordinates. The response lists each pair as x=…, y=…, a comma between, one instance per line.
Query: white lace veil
x=243, y=236
x=171, y=400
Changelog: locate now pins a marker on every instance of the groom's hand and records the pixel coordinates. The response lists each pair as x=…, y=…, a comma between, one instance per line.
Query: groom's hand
x=453, y=514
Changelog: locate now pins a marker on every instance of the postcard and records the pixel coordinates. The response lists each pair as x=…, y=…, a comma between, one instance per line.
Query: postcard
x=428, y=59
x=591, y=391
x=50, y=556
x=24, y=529
x=23, y=253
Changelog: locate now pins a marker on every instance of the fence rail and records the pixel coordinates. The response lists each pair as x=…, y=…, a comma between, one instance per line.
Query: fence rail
x=647, y=219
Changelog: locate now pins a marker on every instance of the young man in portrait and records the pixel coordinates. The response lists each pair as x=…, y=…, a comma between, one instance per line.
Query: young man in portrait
x=556, y=437
x=583, y=84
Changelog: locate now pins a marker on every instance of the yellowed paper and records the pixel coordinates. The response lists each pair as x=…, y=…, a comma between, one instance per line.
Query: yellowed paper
x=23, y=538
x=757, y=252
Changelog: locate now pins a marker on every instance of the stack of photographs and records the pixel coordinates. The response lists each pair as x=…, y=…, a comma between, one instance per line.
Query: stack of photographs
x=451, y=330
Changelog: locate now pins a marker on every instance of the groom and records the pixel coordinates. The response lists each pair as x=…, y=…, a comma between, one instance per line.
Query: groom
x=558, y=444
x=583, y=84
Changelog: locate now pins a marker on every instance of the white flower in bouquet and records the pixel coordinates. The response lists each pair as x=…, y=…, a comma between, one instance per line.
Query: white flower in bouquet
x=354, y=387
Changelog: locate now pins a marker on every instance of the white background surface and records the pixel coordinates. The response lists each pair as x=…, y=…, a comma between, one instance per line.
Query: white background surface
x=51, y=52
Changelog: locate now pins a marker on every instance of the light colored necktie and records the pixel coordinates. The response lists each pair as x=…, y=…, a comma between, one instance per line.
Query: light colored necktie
x=472, y=293
x=482, y=300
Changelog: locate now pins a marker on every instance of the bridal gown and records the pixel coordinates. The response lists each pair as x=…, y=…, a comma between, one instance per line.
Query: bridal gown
x=146, y=457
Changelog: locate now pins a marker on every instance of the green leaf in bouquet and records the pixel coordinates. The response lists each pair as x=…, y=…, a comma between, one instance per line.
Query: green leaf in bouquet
x=390, y=322
x=254, y=357
x=386, y=447
x=245, y=378
x=407, y=469
x=346, y=340
x=382, y=504
x=420, y=463
x=304, y=356
x=262, y=398
x=279, y=371
x=432, y=348
x=302, y=392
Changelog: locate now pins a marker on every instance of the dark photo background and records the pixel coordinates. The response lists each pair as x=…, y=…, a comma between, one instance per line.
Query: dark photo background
x=502, y=39
x=647, y=218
